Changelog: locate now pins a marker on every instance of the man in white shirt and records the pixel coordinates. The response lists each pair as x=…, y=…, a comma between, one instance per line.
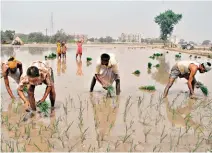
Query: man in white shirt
x=106, y=73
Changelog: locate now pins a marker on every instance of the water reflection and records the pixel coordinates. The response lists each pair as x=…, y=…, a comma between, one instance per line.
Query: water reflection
x=162, y=73
x=79, y=67
x=7, y=51
x=181, y=116
x=37, y=50
x=64, y=65
x=58, y=66
x=105, y=111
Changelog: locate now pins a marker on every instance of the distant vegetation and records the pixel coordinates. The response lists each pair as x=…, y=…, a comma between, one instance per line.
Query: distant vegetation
x=166, y=21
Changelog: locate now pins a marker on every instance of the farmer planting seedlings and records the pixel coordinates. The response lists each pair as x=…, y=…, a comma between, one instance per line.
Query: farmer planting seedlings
x=12, y=68
x=107, y=65
x=37, y=74
x=187, y=70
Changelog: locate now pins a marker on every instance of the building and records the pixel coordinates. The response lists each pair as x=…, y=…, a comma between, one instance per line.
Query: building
x=130, y=37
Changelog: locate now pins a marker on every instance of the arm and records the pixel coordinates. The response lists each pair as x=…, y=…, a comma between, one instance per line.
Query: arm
x=193, y=71
x=93, y=84
x=115, y=71
x=20, y=68
x=6, y=81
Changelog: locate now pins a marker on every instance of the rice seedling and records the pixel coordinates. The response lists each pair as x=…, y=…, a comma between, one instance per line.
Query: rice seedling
x=117, y=144
x=152, y=57
x=62, y=141
x=157, y=65
x=44, y=107
x=65, y=107
x=89, y=59
x=197, y=145
x=167, y=52
x=10, y=126
x=72, y=147
x=108, y=148
x=25, y=89
x=51, y=56
x=140, y=100
x=137, y=72
x=110, y=91
x=126, y=108
x=37, y=147
x=195, y=56
x=149, y=88
x=155, y=147
x=171, y=143
x=177, y=56
x=162, y=136
x=149, y=65
x=204, y=90
x=146, y=134
x=83, y=135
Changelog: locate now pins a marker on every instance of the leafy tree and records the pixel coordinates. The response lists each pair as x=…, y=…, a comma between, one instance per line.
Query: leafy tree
x=7, y=36
x=206, y=42
x=166, y=21
x=91, y=39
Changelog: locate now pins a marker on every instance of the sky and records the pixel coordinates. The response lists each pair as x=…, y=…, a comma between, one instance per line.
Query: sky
x=102, y=18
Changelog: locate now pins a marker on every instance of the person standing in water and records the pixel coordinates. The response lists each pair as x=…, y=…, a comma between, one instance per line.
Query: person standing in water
x=187, y=70
x=37, y=74
x=64, y=49
x=107, y=65
x=58, y=49
x=79, y=48
x=13, y=69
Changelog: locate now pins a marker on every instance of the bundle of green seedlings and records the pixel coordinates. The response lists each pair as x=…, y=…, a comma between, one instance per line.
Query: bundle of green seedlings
x=149, y=65
x=137, y=72
x=203, y=88
x=89, y=59
x=152, y=57
x=25, y=89
x=157, y=54
x=44, y=107
x=149, y=88
x=110, y=90
x=177, y=56
x=157, y=65
x=51, y=56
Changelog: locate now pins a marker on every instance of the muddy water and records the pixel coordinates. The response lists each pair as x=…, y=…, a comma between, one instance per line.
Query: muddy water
x=134, y=121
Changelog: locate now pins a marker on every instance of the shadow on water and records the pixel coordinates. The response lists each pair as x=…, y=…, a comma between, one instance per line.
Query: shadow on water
x=105, y=111
x=64, y=67
x=181, y=116
x=79, y=67
x=162, y=73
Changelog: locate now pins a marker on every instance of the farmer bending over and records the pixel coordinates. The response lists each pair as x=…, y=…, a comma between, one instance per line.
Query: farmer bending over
x=12, y=68
x=109, y=74
x=37, y=74
x=187, y=70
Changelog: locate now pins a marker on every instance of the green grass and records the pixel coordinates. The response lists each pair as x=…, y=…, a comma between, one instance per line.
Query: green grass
x=150, y=88
x=89, y=59
x=137, y=72
x=149, y=65
x=44, y=107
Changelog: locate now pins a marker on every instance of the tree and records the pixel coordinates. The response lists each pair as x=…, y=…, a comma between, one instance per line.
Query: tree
x=91, y=39
x=206, y=42
x=7, y=36
x=166, y=21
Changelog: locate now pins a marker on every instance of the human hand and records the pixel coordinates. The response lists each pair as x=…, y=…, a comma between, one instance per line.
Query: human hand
x=192, y=96
x=40, y=101
x=27, y=106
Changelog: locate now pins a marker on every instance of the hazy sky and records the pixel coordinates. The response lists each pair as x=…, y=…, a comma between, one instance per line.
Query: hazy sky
x=108, y=18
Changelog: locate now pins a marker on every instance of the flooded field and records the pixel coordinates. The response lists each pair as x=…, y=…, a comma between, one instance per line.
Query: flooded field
x=134, y=121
